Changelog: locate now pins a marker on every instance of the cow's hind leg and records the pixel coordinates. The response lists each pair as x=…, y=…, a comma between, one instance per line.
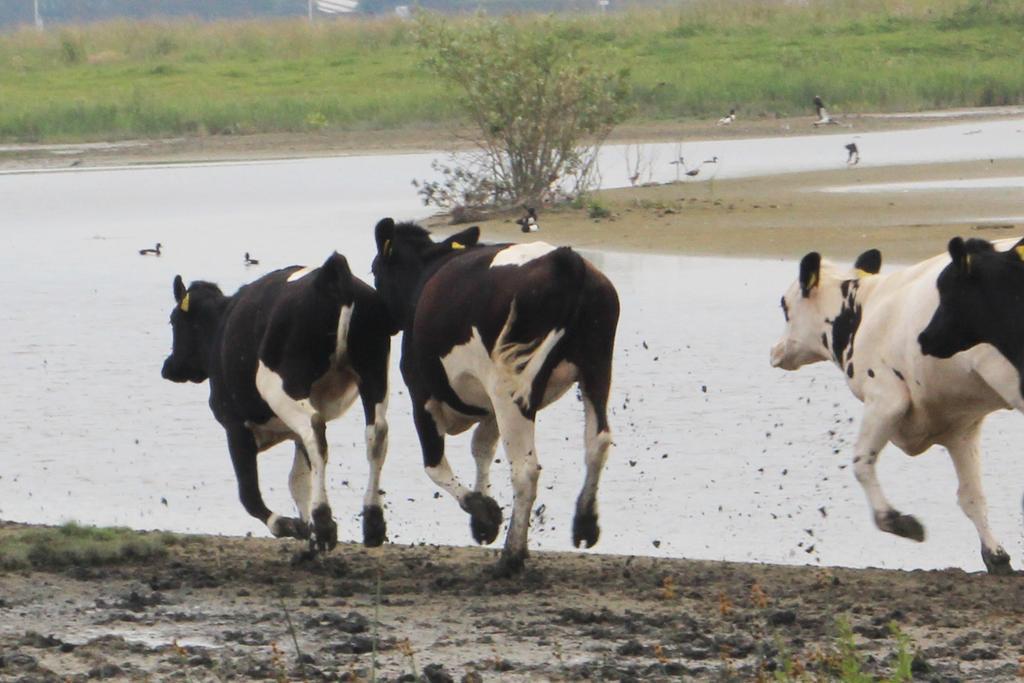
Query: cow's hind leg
x=311, y=430
x=374, y=527
x=298, y=482
x=595, y=384
x=877, y=425
x=598, y=440
x=485, y=442
x=484, y=513
x=967, y=461
x=242, y=446
x=518, y=438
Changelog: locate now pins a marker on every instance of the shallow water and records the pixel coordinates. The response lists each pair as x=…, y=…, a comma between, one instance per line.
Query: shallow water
x=1012, y=182
x=717, y=455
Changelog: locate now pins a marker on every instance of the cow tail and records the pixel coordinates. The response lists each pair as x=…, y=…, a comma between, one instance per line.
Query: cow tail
x=572, y=276
x=334, y=278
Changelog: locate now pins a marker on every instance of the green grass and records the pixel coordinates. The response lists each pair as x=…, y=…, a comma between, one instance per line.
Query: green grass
x=74, y=545
x=118, y=80
x=843, y=662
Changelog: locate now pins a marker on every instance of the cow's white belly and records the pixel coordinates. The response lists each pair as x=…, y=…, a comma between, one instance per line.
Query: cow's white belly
x=948, y=396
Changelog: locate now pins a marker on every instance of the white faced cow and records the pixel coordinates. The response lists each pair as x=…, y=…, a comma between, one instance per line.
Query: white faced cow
x=285, y=355
x=492, y=334
x=868, y=324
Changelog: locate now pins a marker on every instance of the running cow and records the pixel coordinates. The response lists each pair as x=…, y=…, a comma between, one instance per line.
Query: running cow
x=868, y=324
x=492, y=334
x=285, y=355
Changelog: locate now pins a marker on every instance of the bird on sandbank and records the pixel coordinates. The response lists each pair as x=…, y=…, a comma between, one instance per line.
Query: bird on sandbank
x=729, y=118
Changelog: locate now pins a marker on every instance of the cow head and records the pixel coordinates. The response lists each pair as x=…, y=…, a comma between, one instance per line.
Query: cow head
x=813, y=303
x=972, y=291
x=194, y=309
x=404, y=253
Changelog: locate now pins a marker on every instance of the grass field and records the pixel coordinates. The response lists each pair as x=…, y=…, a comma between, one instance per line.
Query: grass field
x=119, y=80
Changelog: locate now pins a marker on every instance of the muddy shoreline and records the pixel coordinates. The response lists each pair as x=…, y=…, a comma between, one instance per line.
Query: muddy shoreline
x=219, y=608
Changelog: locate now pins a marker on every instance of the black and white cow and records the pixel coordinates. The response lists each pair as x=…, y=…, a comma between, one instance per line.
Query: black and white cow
x=868, y=324
x=981, y=301
x=284, y=355
x=492, y=334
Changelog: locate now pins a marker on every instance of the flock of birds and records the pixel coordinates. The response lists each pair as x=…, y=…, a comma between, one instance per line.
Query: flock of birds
x=156, y=251
x=528, y=221
x=824, y=119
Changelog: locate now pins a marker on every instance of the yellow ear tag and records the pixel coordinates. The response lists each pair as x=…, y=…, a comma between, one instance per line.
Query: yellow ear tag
x=813, y=281
x=967, y=264
x=457, y=245
x=184, y=303
x=862, y=273
x=1020, y=252
x=387, y=248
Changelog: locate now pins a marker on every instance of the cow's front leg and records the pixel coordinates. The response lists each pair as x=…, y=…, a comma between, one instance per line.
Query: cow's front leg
x=881, y=415
x=243, y=449
x=517, y=436
x=374, y=527
x=967, y=460
x=311, y=431
x=484, y=513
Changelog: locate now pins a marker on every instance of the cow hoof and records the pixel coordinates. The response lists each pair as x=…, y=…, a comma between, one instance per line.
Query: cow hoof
x=325, y=530
x=906, y=526
x=374, y=528
x=996, y=562
x=585, y=530
x=484, y=517
x=510, y=565
x=290, y=527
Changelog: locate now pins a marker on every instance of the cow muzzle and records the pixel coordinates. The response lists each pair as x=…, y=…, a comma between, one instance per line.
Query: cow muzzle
x=778, y=356
x=173, y=372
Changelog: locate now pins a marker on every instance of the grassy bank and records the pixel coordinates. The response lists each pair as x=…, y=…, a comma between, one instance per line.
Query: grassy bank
x=119, y=80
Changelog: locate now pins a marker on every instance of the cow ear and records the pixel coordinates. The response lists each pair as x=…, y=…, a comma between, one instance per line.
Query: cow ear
x=868, y=263
x=810, y=271
x=958, y=253
x=466, y=238
x=179, y=289
x=1019, y=249
x=384, y=233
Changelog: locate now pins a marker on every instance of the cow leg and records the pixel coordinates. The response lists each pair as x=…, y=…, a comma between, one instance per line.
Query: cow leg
x=967, y=461
x=374, y=408
x=298, y=482
x=484, y=513
x=877, y=425
x=598, y=440
x=242, y=446
x=311, y=430
x=517, y=437
x=485, y=442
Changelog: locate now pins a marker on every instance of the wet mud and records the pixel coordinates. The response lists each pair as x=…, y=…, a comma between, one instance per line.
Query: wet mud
x=221, y=608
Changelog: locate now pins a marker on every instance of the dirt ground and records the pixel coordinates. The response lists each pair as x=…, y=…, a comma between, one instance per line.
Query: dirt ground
x=239, y=609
